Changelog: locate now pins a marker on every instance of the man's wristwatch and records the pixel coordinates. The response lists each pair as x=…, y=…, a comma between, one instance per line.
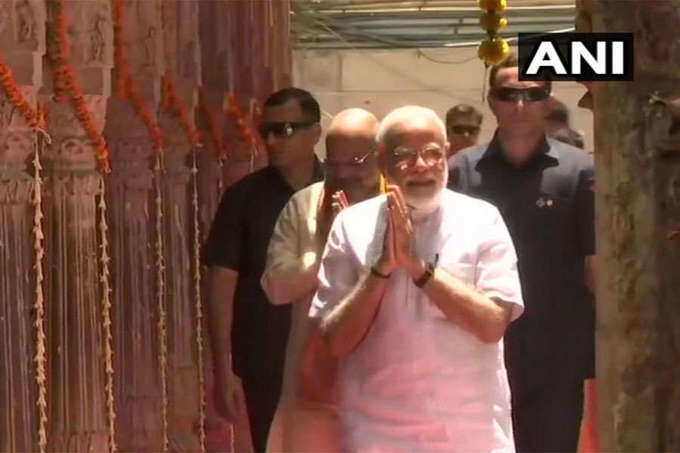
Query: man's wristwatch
x=378, y=274
x=427, y=275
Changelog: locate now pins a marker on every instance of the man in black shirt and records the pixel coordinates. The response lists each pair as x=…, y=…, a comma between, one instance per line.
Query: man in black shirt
x=543, y=189
x=236, y=253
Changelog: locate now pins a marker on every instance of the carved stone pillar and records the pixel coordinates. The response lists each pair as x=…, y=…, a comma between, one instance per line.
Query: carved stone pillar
x=18, y=423
x=183, y=71
x=76, y=358
x=77, y=378
x=131, y=196
x=22, y=33
x=637, y=152
x=131, y=215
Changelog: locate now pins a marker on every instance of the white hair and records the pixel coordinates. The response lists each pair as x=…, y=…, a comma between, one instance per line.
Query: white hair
x=406, y=113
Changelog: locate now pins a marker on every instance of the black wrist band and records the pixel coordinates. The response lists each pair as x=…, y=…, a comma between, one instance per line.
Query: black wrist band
x=429, y=271
x=378, y=274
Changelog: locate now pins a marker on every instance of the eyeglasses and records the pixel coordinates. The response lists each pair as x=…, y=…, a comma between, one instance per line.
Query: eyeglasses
x=532, y=94
x=353, y=162
x=462, y=130
x=283, y=130
x=431, y=154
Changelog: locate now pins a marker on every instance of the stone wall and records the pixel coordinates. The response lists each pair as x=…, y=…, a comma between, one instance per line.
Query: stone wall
x=124, y=348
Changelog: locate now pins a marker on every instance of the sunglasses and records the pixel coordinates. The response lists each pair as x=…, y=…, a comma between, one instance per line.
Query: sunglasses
x=507, y=94
x=462, y=130
x=283, y=130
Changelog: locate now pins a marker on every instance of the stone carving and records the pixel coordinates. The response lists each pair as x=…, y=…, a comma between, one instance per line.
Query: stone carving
x=662, y=126
x=15, y=147
x=674, y=189
x=6, y=112
x=97, y=40
x=4, y=16
x=150, y=43
x=25, y=22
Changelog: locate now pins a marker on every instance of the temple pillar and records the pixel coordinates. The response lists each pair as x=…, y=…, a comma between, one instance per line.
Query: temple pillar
x=131, y=198
x=182, y=80
x=637, y=153
x=22, y=32
x=78, y=374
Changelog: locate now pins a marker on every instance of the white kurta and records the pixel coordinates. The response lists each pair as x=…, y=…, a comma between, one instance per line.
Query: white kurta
x=418, y=382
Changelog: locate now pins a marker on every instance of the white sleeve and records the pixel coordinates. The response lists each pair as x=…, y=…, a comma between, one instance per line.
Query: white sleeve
x=338, y=272
x=497, y=274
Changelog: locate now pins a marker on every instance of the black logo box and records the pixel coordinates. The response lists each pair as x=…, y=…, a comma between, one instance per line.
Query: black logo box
x=528, y=43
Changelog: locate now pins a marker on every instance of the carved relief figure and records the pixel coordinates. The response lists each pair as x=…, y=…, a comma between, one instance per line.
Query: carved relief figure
x=97, y=41
x=150, y=46
x=25, y=22
x=4, y=16
x=6, y=112
x=674, y=189
x=662, y=126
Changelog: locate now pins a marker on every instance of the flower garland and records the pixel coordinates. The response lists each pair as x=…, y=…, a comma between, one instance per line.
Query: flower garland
x=245, y=132
x=197, y=295
x=106, y=317
x=34, y=117
x=494, y=49
x=126, y=88
x=41, y=340
x=213, y=127
x=172, y=102
x=160, y=300
x=66, y=86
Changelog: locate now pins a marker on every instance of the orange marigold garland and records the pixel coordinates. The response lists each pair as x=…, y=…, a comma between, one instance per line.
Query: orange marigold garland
x=126, y=88
x=32, y=116
x=172, y=102
x=67, y=87
x=245, y=132
x=213, y=127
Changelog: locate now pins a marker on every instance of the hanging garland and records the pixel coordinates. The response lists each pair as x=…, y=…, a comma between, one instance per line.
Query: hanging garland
x=160, y=299
x=494, y=49
x=172, y=102
x=126, y=88
x=198, y=301
x=245, y=133
x=106, y=316
x=213, y=127
x=41, y=340
x=67, y=87
x=33, y=117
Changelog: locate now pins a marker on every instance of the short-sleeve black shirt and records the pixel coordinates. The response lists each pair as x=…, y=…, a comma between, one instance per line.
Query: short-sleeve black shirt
x=238, y=240
x=548, y=207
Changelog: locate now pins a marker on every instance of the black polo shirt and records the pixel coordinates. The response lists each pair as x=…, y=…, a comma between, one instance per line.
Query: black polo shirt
x=548, y=207
x=238, y=240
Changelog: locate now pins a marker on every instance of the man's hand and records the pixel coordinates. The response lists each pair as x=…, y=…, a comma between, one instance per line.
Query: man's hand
x=398, y=243
x=229, y=397
x=328, y=211
x=339, y=203
x=398, y=250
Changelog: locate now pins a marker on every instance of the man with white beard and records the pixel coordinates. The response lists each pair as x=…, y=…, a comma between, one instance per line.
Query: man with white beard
x=416, y=289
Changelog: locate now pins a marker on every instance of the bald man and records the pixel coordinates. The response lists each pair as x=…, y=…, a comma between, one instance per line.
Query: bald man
x=290, y=277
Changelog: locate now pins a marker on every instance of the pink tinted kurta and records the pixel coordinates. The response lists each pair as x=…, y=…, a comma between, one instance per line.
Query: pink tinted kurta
x=418, y=382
